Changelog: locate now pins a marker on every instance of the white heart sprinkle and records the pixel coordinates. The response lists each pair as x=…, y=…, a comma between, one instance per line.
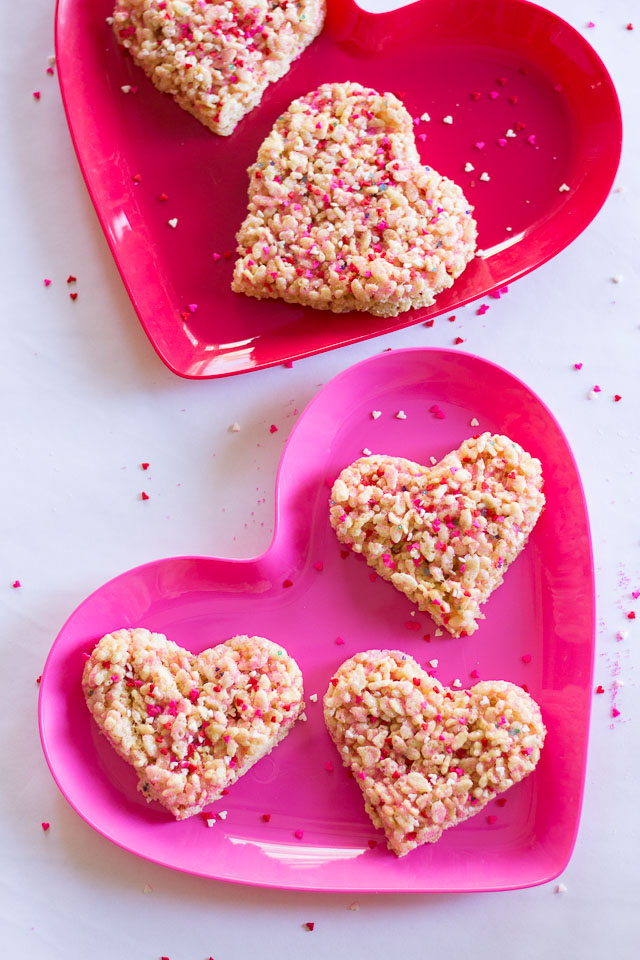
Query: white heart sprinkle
x=560, y=888
x=433, y=663
x=456, y=683
x=433, y=460
x=234, y=428
x=447, y=119
x=425, y=117
x=510, y=133
x=485, y=176
x=222, y=814
x=438, y=632
x=563, y=187
x=618, y=682
x=126, y=88
x=314, y=698
x=508, y=229
x=366, y=452
x=147, y=888
x=376, y=413
x=109, y=20
x=173, y=222
x=468, y=167
x=401, y=415
x=474, y=423
x=211, y=823
x=617, y=279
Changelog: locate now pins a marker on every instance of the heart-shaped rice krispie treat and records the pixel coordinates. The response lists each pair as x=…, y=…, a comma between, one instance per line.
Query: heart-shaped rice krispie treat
x=191, y=725
x=443, y=535
x=343, y=215
x=216, y=59
x=425, y=757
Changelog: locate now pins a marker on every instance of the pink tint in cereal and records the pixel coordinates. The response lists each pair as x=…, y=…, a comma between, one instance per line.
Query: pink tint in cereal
x=191, y=725
x=426, y=757
x=343, y=215
x=443, y=535
x=216, y=59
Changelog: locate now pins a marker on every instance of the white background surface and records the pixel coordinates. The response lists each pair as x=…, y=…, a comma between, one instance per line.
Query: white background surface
x=85, y=400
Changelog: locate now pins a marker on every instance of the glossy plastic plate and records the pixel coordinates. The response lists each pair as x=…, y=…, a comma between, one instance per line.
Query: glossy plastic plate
x=544, y=608
x=549, y=85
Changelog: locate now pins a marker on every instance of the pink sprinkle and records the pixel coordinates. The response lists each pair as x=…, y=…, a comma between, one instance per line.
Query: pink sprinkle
x=193, y=307
x=558, y=87
x=319, y=566
x=299, y=834
x=47, y=282
x=479, y=145
x=373, y=577
x=36, y=95
x=482, y=310
x=635, y=594
x=597, y=389
x=502, y=142
x=16, y=584
x=591, y=24
x=422, y=137
x=494, y=94
x=50, y=71
x=339, y=641
x=329, y=766
x=577, y=366
x=273, y=428
x=492, y=818
x=615, y=712
x=531, y=139
x=475, y=674
x=216, y=256
x=526, y=658
x=288, y=364
x=45, y=826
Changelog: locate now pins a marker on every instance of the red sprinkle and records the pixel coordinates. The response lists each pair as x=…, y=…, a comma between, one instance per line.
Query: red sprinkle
x=373, y=577
x=36, y=94
x=144, y=496
x=491, y=818
x=458, y=340
x=145, y=466
x=615, y=712
x=372, y=844
x=163, y=197
x=475, y=674
x=39, y=679
x=600, y=688
x=273, y=428
x=617, y=398
x=309, y=925
x=526, y=658
x=629, y=26
x=428, y=323
x=136, y=178
x=16, y=584
x=329, y=766
x=299, y=834
x=266, y=817
x=501, y=802
x=47, y=282
x=319, y=565
x=74, y=296
x=72, y=279
x=287, y=583
x=631, y=615
x=412, y=625
x=451, y=318
x=288, y=364
x=45, y=826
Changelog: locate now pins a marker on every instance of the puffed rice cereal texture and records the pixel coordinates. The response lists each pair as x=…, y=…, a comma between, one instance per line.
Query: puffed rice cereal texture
x=442, y=535
x=426, y=757
x=191, y=725
x=216, y=59
x=343, y=215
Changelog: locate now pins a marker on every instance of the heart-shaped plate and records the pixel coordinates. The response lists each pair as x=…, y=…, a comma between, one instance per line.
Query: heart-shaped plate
x=538, y=631
x=494, y=69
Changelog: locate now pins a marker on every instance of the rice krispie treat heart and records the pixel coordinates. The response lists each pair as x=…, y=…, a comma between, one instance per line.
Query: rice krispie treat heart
x=342, y=214
x=191, y=725
x=216, y=59
x=425, y=757
x=443, y=535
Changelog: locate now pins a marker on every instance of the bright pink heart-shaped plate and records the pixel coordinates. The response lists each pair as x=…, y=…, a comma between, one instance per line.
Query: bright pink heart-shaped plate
x=492, y=67
x=538, y=631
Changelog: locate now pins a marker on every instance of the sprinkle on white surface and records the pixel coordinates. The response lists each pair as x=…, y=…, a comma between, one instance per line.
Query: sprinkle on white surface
x=474, y=422
x=375, y=414
x=485, y=176
x=173, y=222
x=401, y=415
x=126, y=88
x=147, y=888
x=456, y=684
x=618, y=682
x=618, y=278
x=234, y=428
x=354, y=906
x=52, y=60
x=447, y=119
x=563, y=187
x=433, y=663
x=622, y=634
x=366, y=452
x=425, y=117
x=468, y=167
x=560, y=888
x=314, y=698
x=593, y=394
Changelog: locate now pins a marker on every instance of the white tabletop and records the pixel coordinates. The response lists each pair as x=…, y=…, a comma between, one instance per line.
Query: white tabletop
x=85, y=400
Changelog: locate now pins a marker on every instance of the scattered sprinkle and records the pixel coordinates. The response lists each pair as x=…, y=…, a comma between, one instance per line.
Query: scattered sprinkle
x=36, y=94
x=375, y=414
x=597, y=389
x=456, y=683
x=475, y=674
x=563, y=187
x=234, y=428
x=425, y=117
x=126, y=88
x=313, y=698
x=617, y=398
x=162, y=197
x=354, y=906
x=590, y=24
x=372, y=844
x=433, y=664
x=309, y=925
x=599, y=688
x=39, y=679
x=144, y=496
x=560, y=888
x=631, y=615
x=401, y=415
x=447, y=119
x=458, y=340
x=273, y=428
x=47, y=282
x=577, y=366
x=173, y=222
x=319, y=566
x=147, y=888
x=329, y=766
x=474, y=422
x=339, y=641
x=73, y=296
x=266, y=817
x=299, y=834
x=366, y=452
x=482, y=310
x=510, y=134
x=145, y=466
x=491, y=818
x=468, y=167
x=287, y=583
x=526, y=658
x=45, y=826
x=288, y=364
x=479, y=145
x=532, y=139
x=618, y=278
x=16, y=584
x=615, y=712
